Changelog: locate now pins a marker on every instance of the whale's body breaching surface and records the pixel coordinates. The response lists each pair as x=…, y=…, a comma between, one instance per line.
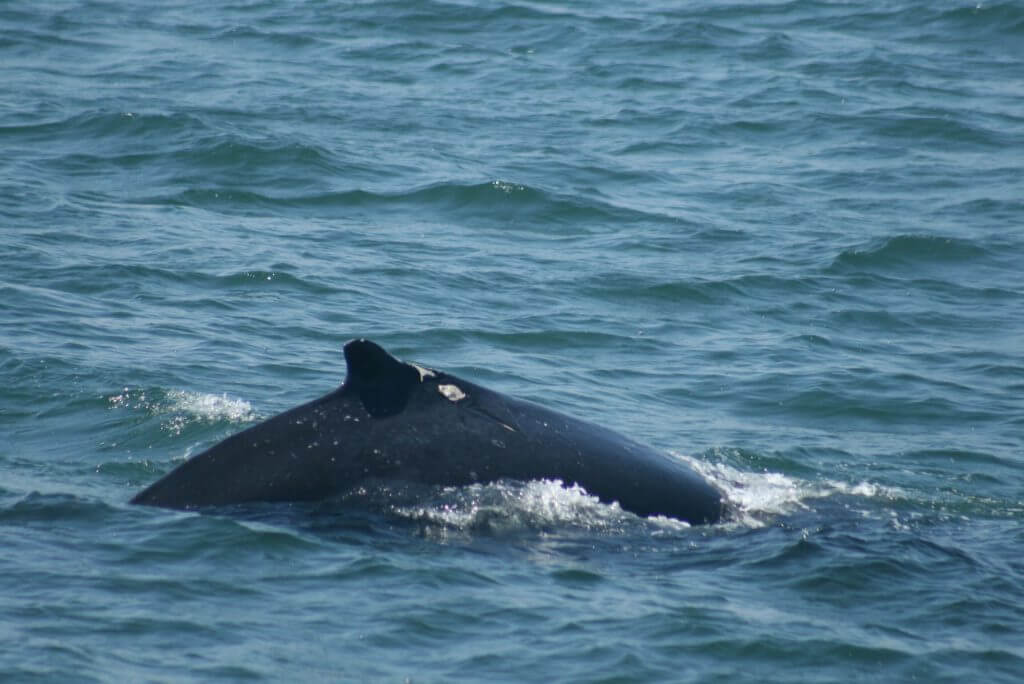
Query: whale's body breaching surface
x=396, y=420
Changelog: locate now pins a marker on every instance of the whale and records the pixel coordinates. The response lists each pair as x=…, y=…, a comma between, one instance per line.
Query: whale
x=401, y=421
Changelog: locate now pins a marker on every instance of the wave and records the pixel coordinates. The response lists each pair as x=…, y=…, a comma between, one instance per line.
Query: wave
x=212, y=157
x=702, y=291
x=491, y=202
x=975, y=21
x=982, y=21
x=929, y=125
x=88, y=126
x=35, y=507
x=909, y=251
x=87, y=279
x=230, y=153
x=285, y=39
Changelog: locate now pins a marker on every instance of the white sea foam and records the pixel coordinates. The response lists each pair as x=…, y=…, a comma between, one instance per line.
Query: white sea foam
x=756, y=497
x=210, y=406
x=181, y=407
x=510, y=505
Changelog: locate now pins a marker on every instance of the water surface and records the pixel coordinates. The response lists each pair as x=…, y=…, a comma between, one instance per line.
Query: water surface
x=781, y=241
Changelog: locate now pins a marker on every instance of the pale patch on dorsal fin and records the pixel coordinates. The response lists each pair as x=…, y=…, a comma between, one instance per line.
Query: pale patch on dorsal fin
x=382, y=381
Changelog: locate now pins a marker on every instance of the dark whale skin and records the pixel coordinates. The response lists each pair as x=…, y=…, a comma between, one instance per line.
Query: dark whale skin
x=397, y=420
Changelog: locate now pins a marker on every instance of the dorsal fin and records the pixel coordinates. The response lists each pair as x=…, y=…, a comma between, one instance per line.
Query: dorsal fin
x=382, y=381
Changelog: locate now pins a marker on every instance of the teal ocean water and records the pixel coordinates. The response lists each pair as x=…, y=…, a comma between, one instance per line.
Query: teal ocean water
x=781, y=241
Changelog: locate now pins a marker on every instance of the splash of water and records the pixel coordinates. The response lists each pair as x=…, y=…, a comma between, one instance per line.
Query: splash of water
x=183, y=407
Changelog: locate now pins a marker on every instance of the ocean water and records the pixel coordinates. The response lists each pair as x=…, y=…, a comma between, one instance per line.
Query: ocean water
x=781, y=241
